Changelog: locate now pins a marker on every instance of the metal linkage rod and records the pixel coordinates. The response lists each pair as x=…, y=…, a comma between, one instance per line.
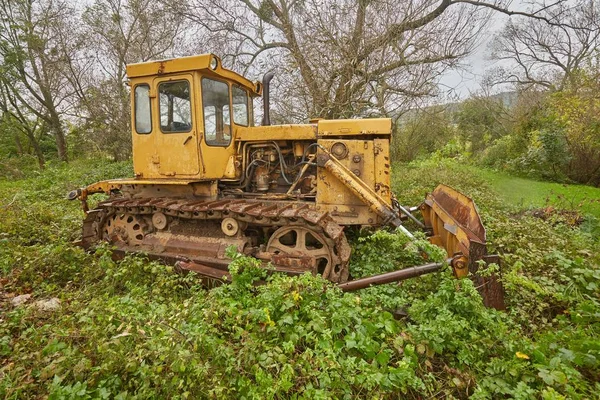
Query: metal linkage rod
x=394, y=276
x=409, y=215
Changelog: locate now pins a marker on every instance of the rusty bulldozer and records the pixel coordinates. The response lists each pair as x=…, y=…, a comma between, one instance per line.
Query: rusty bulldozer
x=206, y=178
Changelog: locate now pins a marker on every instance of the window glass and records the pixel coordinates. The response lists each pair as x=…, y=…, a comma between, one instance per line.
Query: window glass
x=210, y=121
x=175, y=106
x=240, y=106
x=215, y=101
x=143, y=118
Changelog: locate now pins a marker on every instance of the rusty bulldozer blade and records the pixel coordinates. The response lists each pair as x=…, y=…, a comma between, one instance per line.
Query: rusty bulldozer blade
x=453, y=222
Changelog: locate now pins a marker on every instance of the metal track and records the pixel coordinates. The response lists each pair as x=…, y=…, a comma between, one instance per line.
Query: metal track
x=255, y=213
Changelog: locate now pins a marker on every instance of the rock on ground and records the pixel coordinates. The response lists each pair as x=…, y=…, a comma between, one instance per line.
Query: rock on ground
x=52, y=304
x=20, y=299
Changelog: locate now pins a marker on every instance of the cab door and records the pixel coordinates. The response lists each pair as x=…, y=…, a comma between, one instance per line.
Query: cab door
x=176, y=139
x=217, y=146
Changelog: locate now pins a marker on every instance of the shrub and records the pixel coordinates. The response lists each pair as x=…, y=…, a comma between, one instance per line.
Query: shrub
x=420, y=134
x=134, y=329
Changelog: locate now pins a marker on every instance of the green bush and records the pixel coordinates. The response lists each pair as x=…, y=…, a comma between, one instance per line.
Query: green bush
x=544, y=155
x=420, y=134
x=134, y=329
x=480, y=121
x=504, y=152
x=552, y=136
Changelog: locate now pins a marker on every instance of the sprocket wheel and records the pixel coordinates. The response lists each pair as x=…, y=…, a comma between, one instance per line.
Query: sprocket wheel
x=124, y=230
x=301, y=241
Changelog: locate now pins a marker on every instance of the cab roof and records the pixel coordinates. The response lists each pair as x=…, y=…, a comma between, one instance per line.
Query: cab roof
x=192, y=63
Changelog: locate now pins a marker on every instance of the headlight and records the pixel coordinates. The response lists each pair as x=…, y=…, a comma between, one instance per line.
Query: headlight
x=214, y=63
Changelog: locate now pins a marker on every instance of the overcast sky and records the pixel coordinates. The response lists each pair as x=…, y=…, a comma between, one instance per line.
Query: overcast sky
x=465, y=82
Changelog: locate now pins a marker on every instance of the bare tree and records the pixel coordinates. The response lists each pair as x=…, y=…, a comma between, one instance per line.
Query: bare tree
x=342, y=58
x=551, y=56
x=18, y=117
x=118, y=32
x=351, y=57
x=32, y=61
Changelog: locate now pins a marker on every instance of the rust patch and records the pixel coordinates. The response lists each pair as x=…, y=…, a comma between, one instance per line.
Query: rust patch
x=300, y=263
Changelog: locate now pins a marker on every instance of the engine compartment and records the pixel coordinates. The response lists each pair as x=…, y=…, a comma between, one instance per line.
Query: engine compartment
x=276, y=167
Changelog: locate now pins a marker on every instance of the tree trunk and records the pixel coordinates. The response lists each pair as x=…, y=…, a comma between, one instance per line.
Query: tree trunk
x=19, y=145
x=39, y=154
x=59, y=135
x=61, y=145
x=37, y=149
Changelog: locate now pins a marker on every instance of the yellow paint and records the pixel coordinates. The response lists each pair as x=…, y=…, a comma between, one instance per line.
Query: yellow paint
x=230, y=170
x=454, y=220
x=118, y=184
x=276, y=132
x=334, y=192
x=186, y=155
x=383, y=172
x=345, y=127
x=189, y=64
x=348, y=187
x=177, y=151
x=214, y=159
x=353, y=197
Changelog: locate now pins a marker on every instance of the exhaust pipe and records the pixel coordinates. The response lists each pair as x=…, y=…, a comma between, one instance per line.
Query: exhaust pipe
x=266, y=101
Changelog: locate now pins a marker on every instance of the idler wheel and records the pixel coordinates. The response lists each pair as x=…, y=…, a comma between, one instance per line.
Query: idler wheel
x=159, y=220
x=231, y=226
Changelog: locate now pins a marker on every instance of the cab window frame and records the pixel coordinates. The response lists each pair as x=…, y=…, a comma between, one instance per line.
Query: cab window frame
x=245, y=91
x=215, y=143
x=135, y=109
x=251, y=110
x=191, y=106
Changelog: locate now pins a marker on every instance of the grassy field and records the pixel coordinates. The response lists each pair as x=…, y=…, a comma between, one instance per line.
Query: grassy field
x=528, y=193
x=133, y=329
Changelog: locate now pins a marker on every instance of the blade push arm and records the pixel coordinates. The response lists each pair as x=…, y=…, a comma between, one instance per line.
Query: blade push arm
x=451, y=220
x=357, y=186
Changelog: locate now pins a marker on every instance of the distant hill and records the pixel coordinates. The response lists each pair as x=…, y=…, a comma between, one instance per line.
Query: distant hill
x=508, y=100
